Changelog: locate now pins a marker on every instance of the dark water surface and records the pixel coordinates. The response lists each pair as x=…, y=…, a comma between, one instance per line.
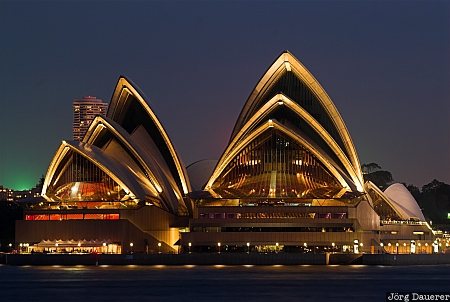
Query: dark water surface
x=217, y=283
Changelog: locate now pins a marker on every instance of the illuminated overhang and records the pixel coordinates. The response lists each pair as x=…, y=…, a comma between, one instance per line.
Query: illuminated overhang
x=94, y=155
x=123, y=90
x=100, y=124
x=56, y=160
x=282, y=100
x=227, y=158
x=287, y=62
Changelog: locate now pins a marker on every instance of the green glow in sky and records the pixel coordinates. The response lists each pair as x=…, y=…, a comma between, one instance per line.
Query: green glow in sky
x=20, y=183
x=20, y=179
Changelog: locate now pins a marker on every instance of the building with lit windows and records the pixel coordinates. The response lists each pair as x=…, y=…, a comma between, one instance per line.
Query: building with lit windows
x=288, y=180
x=84, y=112
x=6, y=194
x=121, y=188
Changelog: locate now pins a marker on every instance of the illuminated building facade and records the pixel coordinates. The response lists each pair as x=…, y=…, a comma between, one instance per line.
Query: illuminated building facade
x=289, y=179
x=6, y=194
x=121, y=188
x=18, y=195
x=84, y=112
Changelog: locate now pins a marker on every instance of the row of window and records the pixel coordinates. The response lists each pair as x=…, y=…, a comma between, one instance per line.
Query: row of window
x=72, y=216
x=348, y=228
x=272, y=215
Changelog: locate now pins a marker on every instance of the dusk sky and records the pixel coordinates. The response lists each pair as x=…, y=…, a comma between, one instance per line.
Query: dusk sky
x=385, y=65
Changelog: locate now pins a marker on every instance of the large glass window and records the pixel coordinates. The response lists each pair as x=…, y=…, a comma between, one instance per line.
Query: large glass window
x=273, y=166
x=80, y=180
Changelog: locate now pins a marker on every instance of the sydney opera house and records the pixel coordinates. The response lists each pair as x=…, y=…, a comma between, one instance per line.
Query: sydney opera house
x=288, y=180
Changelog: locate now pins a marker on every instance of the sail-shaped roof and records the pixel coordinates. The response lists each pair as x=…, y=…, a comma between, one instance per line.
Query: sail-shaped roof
x=288, y=76
x=130, y=110
x=404, y=201
x=89, y=154
x=275, y=161
x=396, y=202
x=290, y=99
x=132, y=148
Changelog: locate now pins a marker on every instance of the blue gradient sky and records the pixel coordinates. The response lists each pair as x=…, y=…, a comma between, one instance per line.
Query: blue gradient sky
x=385, y=64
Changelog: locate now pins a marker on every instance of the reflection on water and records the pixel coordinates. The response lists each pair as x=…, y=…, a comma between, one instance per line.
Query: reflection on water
x=218, y=282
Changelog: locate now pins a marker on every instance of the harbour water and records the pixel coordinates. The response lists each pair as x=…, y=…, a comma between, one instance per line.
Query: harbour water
x=218, y=283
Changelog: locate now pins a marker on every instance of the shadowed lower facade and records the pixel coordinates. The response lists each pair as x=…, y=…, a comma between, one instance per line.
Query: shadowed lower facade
x=289, y=179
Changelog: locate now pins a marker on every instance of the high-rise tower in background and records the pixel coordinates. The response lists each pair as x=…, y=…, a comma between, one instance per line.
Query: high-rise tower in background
x=84, y=112
x=289, y=180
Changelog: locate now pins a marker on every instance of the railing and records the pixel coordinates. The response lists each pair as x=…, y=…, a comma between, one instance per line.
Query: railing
x=404, y=222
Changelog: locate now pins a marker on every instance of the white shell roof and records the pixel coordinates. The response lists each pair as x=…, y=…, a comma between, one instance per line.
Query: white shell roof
x=404, y=201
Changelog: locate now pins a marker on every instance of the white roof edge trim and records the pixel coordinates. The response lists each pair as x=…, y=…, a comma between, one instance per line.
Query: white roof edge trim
x=255, y=133
x=57, y=157
x=304, y=74
x=402, y=198
x=400, y=212
x=62, y=150
x=309, y=119
x=124, y=83
x=101, y=122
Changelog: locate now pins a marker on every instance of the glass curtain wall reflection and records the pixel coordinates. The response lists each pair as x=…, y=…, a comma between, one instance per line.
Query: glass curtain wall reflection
x=275, y=166
x=81, y=180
